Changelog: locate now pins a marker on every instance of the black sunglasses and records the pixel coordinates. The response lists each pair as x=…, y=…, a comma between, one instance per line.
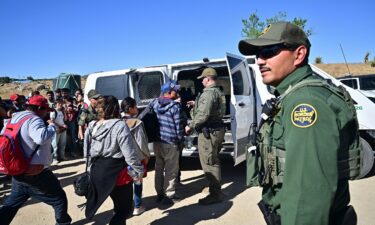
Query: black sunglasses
x=271, y=51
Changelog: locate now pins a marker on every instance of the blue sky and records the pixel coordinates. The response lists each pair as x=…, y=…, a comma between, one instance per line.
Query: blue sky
x=43, y=38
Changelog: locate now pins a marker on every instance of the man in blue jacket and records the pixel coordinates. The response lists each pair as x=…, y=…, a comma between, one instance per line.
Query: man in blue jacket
x=171, y=133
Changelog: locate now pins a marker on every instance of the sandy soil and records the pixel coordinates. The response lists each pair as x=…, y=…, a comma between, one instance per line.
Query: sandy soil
x=239, y=207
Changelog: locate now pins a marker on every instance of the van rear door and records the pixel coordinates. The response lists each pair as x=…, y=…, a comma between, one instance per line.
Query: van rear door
x=145, y=83
x=241, y=104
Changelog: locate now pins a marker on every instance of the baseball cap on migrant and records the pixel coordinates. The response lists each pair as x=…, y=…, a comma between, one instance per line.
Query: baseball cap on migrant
x=93, y=94
x=169, y=86
x=38, y=100
x=280, y=33
x=208, y=72
x=14, y=97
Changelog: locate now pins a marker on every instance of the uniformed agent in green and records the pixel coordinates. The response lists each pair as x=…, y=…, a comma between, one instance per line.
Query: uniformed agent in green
x=89, y=113
x=207, y=114
x=300, y=144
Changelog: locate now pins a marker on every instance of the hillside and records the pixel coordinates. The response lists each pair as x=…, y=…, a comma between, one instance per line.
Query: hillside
x=336, y=70
x=340, y=69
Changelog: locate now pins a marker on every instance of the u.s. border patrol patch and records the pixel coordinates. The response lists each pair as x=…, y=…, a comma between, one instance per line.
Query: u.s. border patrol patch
x=304, y=115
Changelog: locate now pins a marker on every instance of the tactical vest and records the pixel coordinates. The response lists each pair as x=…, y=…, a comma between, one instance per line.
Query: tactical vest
x=219, y=111
x=266, y=165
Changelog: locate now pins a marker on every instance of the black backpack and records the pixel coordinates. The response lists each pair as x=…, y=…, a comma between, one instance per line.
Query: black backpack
x=150, y=122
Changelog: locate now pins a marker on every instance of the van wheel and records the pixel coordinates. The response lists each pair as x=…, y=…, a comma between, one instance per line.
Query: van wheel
x=368, y=156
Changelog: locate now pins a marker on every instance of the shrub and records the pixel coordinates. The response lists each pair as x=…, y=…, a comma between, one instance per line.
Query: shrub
x=5, y=80
x=318, y=60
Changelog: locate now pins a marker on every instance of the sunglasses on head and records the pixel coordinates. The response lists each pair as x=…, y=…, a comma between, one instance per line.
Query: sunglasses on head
x=271, y=51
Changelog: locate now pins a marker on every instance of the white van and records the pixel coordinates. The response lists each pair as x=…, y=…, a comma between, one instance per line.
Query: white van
x=241, y=82
x=362, y=83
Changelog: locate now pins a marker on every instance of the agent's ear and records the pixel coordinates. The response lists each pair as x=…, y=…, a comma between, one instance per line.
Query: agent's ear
x=299, y=55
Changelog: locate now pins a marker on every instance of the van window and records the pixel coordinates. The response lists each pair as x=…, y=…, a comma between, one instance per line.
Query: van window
x=367, y=83
x=351, y=83
x=113, y=85
x=187, y=91
x=240, y=84
x=149, y=85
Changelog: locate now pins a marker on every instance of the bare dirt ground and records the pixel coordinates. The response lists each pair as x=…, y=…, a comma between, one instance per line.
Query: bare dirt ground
x=239, y=207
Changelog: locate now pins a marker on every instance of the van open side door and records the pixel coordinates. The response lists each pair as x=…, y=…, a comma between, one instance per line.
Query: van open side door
x=241, y=104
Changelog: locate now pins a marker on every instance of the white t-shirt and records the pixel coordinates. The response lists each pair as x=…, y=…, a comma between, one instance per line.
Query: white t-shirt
x=58, y=119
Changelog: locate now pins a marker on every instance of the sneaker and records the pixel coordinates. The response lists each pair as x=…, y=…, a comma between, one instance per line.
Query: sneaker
x=139, y=211
x=211, y=199
x=54, y=162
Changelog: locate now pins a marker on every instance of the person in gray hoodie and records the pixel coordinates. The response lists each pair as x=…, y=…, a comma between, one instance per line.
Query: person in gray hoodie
x=130, y=111
x=111, y=149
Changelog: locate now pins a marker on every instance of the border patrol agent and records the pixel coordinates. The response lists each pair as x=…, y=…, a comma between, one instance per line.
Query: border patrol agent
x=207, y=114
x=89, y=113
x=304, y=146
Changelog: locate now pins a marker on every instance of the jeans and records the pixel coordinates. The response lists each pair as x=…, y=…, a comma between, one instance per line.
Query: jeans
x=44, y=187
x=72, y=137
x=58, y=145
x=138, y=195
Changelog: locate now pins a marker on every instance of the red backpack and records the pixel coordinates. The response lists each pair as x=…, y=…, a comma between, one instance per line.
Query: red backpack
x=12, y=158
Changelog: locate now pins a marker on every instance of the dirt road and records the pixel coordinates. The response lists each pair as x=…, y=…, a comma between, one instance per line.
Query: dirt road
x=239, y=207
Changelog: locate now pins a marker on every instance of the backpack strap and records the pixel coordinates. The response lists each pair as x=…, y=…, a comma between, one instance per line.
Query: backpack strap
x=304, y=83
x=13, y=129
x=148, y=109
x=339, y=91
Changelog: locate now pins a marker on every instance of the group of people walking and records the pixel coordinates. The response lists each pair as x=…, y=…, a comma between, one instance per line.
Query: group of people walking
x=116, y=147
x=296, y=152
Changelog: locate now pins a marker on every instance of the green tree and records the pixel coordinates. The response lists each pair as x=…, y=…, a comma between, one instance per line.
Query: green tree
x=5, y=80
x=30, y=78
x=318, y=60
x=254, y=26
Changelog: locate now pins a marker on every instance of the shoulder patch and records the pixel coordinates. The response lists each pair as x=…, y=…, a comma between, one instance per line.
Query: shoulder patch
x=304, y=115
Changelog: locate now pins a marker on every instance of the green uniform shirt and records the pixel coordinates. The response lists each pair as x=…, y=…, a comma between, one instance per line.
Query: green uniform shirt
x=209, y=108
x=312, y=127
x=87, y=116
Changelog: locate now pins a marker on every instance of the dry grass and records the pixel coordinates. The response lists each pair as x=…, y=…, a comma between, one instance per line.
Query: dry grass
x=23, y=88
x=340, y=69
x=337, y=70
x=26, y=88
